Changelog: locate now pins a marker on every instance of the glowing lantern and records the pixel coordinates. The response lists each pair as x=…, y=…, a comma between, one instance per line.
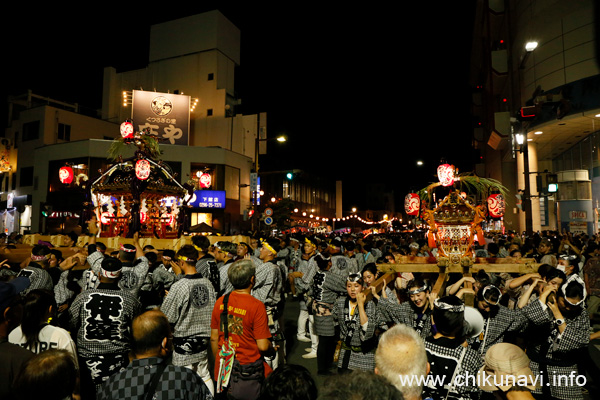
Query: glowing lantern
x=127, y=130
x=142, y=217
x=105, y=217
x=412, y=203
x=496, y=205
x=142, y=169
x=445, y=174
x=205, y=180
x=65, y=174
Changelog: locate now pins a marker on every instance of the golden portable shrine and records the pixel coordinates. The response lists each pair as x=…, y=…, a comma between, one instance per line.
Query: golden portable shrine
x=454, y=228
x=139, y=194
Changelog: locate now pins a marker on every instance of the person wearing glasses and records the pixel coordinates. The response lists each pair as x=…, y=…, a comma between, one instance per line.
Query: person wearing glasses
x=357, y=319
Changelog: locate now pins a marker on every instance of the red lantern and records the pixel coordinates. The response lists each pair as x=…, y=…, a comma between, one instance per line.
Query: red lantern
x=445, y=174
x=412, y=204
x=205, y=180
x=142, y=169
x=496, y=205
x=65, y=174
x=127, y=130
x=105, y=217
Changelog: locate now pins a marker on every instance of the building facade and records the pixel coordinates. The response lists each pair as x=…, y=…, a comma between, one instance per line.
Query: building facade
x=536, y=104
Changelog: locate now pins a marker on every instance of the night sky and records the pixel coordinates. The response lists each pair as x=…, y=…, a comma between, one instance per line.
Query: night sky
x=361, y=93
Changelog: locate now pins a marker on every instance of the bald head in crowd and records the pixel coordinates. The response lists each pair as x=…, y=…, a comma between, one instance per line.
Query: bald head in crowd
x=151, y=334
x=401, y=359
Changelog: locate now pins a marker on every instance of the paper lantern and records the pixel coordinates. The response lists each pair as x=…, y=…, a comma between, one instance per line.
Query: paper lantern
x=105, y=217
x=445, y=174
x=142, y=169
x=65, y=174
x=127, y=130
x=496, y=205
x=412, y=204
x=205, y=180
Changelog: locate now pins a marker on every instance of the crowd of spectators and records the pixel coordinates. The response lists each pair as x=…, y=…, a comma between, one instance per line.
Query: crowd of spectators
x=206, y=320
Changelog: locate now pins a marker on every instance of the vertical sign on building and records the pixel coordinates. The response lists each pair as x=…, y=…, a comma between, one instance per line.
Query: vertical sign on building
x=165, y=115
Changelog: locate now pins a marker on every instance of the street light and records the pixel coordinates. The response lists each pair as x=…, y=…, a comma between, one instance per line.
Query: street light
x=521, y=140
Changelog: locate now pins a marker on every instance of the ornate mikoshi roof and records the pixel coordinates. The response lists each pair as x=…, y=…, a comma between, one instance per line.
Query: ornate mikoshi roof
x=120, y=179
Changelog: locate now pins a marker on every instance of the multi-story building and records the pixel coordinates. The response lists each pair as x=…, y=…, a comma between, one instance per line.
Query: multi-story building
x=536, y=103
x=194, y=59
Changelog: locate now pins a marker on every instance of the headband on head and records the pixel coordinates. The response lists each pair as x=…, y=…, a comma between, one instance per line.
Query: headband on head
x=308, y=241
x=184, y=258
x=39, y=258
x=125, y=249
x=166, y=258
x=448, y=307
x=267, y=246
x=488, y=291
x=110, y=274
x=198, y=248
x=354, y=278
x=423, y=288
x=578, y=280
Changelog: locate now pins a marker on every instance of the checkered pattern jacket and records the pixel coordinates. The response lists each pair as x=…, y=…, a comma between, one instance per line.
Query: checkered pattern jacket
x=176, y=382
x=496, y=325
x=269, y=284
x=359, y=337
x=403, y=313
x=133, y=276
x=188, y=306
x=556, y=354
x=102, y=318
x=39, y=277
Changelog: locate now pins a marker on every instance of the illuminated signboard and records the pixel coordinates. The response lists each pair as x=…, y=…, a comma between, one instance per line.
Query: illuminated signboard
x=208, y=199
x=166, y=115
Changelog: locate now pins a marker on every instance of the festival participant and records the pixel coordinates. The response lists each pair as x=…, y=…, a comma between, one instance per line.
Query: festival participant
x=305, y=318
x=207, y=265
x=243, y=249
x=152, y=346
x=369, y=275
x=498, y=319
x=269, y=290
x=340, y=264
x=133, y=260
x=545, y=254
x=327, y=287
x=357, y=320
x=225, y=253
x=448, y=353
x=562, y=335
x=188, y=307
x=37, y=269
x=550, y=277
x=100, y=318
x=415, y=313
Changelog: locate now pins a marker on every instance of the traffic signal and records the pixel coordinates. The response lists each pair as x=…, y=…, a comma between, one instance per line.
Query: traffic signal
x=289, y=176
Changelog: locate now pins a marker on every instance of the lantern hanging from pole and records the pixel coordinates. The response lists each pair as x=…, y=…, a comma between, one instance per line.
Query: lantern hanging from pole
x=127, y=130
x=142, y=169
x=412, y=204
x=65, y=174
x=496, y=205
x=445, y=174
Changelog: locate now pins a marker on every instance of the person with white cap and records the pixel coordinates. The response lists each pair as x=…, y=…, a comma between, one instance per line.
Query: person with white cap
x=563, y=334
x=506, y=373
x=100, y=318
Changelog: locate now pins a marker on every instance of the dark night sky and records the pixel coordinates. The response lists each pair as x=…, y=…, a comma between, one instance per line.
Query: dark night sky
x=362, y=93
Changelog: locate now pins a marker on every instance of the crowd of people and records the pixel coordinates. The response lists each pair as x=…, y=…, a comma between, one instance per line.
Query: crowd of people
x=206, y=320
